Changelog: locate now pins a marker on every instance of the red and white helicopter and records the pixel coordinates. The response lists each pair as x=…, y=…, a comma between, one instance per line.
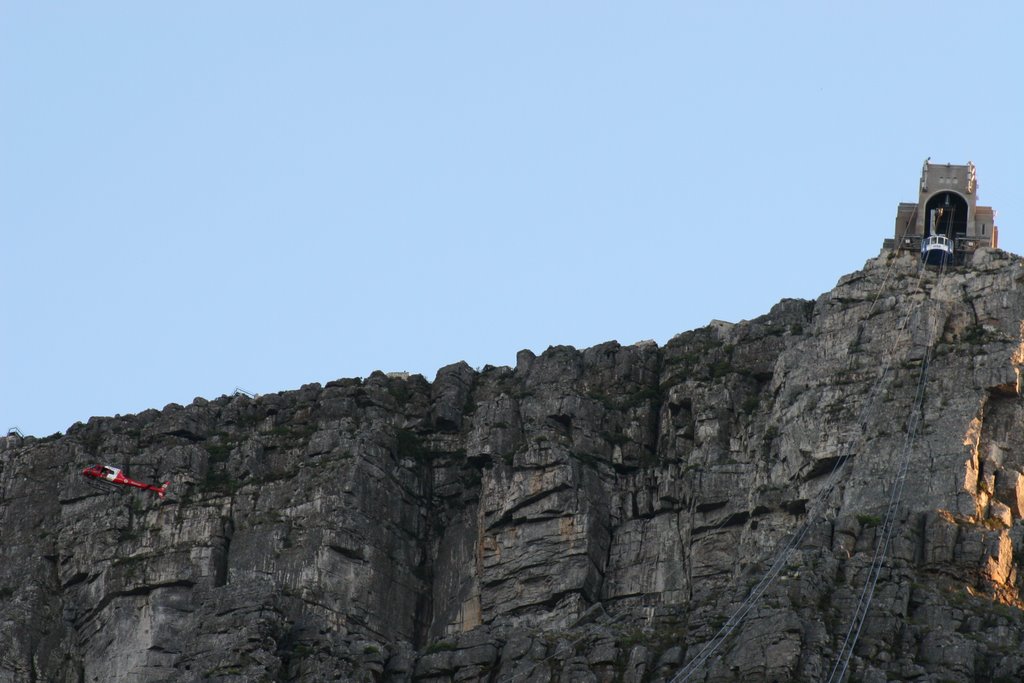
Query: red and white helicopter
x=108, y=476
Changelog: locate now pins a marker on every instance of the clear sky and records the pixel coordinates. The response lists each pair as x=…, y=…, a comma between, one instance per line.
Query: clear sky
x=199, y=196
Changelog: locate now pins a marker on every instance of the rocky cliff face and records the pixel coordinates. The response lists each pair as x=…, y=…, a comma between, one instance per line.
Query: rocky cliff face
x=589, y=515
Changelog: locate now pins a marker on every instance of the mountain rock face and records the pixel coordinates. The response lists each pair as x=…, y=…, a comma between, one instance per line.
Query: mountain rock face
x=594, y=515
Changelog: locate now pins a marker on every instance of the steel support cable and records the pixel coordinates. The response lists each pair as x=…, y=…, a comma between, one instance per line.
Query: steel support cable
x=885, y=534
x=769, y=577
x=823, y=494
x=795, y=541
x=782, y=558
x=737, y=617
x=755, y=594
x=891, y=511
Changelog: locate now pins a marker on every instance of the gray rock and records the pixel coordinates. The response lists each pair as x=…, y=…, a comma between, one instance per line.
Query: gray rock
x=591, y=515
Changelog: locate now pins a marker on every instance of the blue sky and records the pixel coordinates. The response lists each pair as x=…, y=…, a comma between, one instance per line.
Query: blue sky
x=196, y=197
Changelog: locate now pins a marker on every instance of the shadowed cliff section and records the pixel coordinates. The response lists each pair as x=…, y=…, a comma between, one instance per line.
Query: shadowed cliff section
x=588, y=514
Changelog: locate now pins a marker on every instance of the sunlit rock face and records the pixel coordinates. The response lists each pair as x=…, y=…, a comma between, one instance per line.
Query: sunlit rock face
x=589, y=515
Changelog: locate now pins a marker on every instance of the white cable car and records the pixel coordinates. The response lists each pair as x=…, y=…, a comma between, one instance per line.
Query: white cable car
x=937, y=250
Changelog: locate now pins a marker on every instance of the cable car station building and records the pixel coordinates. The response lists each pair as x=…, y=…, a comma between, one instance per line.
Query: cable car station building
x=946, y=224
